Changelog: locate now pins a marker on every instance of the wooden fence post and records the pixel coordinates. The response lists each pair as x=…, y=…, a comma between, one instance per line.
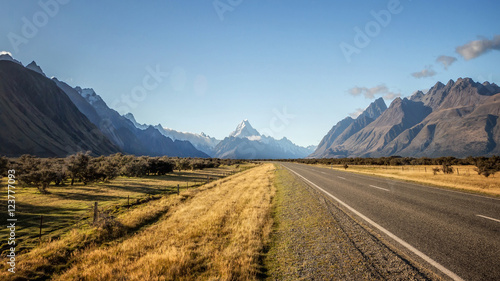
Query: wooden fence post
x=95, y=212
x=178, y=189
x=128, y=201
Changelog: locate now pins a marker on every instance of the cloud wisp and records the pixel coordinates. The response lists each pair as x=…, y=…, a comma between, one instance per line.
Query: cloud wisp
x=371, y=93
x=446, y=61
x=426, y=72
x=476, y=48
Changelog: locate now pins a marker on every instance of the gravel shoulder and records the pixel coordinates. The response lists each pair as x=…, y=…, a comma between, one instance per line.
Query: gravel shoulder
x=312, y=239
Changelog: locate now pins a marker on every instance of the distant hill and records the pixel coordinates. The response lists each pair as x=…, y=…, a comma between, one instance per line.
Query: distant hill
x=38, y=118
x=457, y=119
x=247, y=143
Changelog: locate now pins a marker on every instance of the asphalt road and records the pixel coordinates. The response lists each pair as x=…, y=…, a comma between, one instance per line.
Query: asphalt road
x=455, y=234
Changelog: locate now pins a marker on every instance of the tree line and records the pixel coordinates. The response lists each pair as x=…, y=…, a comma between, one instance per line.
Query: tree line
x=82, y=167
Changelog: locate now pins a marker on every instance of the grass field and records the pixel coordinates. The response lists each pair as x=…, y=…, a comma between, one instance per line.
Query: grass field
x=464, y=177
x=216, y=230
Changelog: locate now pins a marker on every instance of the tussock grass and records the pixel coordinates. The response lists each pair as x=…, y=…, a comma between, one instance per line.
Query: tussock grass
x=464, y=177
x=218, y=234
x=66, y=209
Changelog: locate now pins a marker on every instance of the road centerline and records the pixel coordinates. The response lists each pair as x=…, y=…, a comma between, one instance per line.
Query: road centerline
x=374, y=186
x=489, y=218
x=341, y=177
x=417, y=252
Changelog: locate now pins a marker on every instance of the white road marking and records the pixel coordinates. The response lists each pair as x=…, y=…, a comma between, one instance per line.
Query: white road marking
x=340, y=177
x=434, y=263
x=485, y=217
x=379, y=187
x=323, y=173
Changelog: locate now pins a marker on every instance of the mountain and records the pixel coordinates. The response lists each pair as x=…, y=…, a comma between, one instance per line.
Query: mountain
x=247, y=143
x=38, y=118
x=457, y=119
x=7, y=57
x=122, y=131
x=344, y=129
x=33, y=66
x=245, y=130
x=201, y=141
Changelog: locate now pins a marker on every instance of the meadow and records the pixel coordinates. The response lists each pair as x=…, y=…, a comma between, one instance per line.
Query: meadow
x=463, y=178
x=224, y=220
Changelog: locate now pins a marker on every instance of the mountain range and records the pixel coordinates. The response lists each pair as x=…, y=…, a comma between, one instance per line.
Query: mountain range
x=38, y=118
x=49, y=118
x=247, y=143
x=457, y=119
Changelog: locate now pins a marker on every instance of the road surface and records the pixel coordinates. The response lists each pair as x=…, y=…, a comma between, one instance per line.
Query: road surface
x=455, y=234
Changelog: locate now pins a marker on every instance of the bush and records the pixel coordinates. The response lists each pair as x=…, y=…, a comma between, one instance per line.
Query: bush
x=4, y=163
x=486, y=166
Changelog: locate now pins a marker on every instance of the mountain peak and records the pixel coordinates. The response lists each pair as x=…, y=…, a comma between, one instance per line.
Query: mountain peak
x=244, y=130
x=36, y=68
x=8, y=57
x=374, y=109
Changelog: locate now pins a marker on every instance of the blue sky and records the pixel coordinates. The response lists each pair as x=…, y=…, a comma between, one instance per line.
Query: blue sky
x=203, y=66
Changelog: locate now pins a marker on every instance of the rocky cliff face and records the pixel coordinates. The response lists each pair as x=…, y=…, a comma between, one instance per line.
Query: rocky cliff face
x=457, y=119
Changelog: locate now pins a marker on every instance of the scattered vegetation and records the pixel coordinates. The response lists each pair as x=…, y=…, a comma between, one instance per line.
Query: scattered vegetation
x=82, y=167
x=485, y=166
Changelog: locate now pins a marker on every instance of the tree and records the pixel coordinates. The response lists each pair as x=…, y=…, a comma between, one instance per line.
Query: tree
x=76, y=165
x=182, y=164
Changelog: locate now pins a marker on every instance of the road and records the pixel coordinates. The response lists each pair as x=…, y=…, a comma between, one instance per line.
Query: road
x=456, y=234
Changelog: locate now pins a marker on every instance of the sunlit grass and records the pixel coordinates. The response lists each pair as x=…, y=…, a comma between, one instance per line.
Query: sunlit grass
x=66, y=205
x=216, y=235
x=463, y=178
x=235, y=209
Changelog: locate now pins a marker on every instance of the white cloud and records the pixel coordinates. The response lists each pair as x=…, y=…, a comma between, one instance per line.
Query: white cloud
x=475, y=48
x=371, y=93
x=356, y=113
x=426, y=72
x=446, y=60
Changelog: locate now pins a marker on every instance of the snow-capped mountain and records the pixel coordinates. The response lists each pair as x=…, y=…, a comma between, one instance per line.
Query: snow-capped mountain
x=247, y=143
x=121, y=131
x=201, y=141
x=245, y=130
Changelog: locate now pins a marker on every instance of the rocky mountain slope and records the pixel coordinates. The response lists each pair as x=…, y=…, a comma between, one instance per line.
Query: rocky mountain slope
x=457, y=119
x=38, y=118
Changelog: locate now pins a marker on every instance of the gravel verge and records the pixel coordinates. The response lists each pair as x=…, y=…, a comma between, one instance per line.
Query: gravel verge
x=313, y=239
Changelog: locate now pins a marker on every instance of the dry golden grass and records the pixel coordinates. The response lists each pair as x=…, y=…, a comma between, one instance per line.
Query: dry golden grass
x=67, y=208
x=218, y=234
x=464, y=178
x=67, y=205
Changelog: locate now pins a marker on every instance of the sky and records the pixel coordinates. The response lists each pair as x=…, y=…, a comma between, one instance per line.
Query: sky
x=292, y=68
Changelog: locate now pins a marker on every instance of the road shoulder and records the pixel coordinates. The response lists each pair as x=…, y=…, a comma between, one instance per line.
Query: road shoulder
x=313, y=239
